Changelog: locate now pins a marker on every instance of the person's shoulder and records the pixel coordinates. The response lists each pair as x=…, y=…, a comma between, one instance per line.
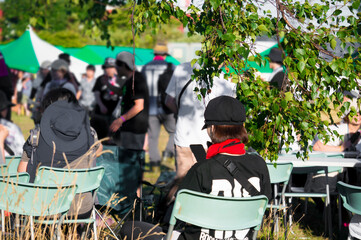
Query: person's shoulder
x=251, y=157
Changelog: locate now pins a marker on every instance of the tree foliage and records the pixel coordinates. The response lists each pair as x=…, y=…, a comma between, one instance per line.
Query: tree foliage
x=310, y=32
x=316, y=74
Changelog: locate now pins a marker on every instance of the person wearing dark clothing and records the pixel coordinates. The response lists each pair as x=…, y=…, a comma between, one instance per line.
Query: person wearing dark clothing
x=159, y=115
x=6, y=83
x=224, y=118
x=277, y=77
x=108, y=94
x=69, y=76
x=65, y=140
x=133, y=121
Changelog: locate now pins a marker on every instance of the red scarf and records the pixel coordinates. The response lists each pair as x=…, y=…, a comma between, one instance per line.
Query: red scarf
x=231, y=146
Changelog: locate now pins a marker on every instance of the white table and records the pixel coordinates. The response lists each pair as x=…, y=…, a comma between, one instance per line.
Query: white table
x=320, y=161
x=332, y=160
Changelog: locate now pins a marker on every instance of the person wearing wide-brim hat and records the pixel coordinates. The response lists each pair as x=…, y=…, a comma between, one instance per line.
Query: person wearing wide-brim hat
x=276, y=79
x=65, y=140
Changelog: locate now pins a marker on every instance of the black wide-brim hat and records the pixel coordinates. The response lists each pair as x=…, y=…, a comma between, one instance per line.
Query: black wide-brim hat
x=66, y=124
x=224, y=110
x=4, y=102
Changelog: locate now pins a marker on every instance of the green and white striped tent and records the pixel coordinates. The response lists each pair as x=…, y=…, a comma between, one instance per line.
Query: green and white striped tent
x=96, y=54
x=29, y=51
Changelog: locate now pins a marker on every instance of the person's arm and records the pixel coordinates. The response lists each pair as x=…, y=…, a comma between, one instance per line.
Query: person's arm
x=319, y=146
x=4, y=132
x=137, y=108
x=78, y=94
x=23, y=162
x=170, y=102
x=22, y=166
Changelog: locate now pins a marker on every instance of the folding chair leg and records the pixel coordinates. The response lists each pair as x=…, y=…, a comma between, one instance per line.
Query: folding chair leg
x=106, y=224
x=339, y=206
x=2, y=221
x=94, y=225
x=32, y=228
x=254, y=237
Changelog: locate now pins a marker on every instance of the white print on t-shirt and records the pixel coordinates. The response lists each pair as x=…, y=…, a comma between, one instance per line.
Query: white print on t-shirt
x=224, y=187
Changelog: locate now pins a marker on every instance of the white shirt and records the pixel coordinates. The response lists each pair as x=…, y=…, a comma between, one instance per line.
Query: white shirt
x=15, y=140
x=191, y=110
x=277, y=70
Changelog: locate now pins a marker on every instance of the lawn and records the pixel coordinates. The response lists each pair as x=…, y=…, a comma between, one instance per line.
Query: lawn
x=309, y=226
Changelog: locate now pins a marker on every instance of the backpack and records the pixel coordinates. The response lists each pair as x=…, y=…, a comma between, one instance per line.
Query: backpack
x=163, y=82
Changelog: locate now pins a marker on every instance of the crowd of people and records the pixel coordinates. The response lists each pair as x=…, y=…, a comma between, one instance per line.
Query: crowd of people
x=129, y=107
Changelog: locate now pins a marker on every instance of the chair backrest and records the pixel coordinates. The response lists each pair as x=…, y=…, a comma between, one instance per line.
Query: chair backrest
x=218, y=213
x=35, y=200
x=280, y=173
x=351, y=197
x=12, y=163
x=16, y=177
x=87, y=179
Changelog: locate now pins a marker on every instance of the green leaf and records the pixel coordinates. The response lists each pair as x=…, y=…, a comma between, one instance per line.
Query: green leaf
x=337, y=12
x=288, y=96
x=215, y=4
x=263, y=28
x=193, y=61
x=333, y=43
x=301, y=66
x=341, y=34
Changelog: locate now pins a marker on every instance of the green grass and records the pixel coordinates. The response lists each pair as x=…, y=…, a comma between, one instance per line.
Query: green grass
x=309, y=226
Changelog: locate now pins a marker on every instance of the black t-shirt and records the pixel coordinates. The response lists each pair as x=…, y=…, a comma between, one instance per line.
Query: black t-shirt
x=210, y=176
x=139, y=123
x=109, y=94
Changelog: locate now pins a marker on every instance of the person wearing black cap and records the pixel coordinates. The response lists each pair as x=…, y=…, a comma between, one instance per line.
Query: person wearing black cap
x=107, y=90
x=15, y=138
x=277, y=77
x=224, y=119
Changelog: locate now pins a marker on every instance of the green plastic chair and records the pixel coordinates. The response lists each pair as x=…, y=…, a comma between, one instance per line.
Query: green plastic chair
x=35, y=200
x=15, y=177
x=218, y=213
x=87, y=180
x=279, y=175
x=351, y=197
x=12, y=163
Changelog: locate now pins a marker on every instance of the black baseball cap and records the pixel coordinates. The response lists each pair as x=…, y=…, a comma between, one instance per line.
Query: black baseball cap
x=224, y=110
x=275, y=55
